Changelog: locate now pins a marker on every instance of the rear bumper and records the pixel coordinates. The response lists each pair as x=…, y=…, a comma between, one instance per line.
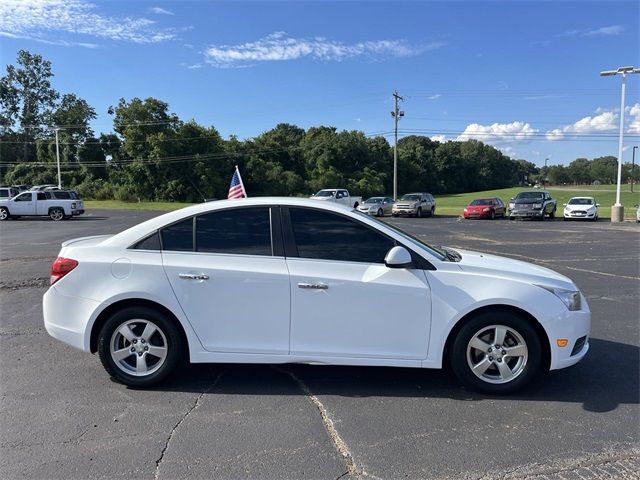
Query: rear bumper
x=66, y=318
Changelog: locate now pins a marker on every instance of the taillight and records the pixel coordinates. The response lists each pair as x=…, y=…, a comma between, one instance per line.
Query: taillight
x=60, y=267
x=73, y=205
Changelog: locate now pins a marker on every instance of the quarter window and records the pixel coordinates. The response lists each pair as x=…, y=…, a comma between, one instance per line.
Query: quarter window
x=237, y=231
x=179, y=236
x=329, y=236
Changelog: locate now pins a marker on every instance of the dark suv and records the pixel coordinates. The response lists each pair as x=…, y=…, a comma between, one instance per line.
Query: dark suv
x=532, y=205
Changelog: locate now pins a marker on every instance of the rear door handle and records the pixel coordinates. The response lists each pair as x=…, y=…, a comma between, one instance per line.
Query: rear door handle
x=193, y=276
x=315, y=286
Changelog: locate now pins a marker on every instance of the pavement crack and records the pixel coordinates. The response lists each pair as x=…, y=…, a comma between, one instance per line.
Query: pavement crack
x=338, y=442
x=195, y=405
x=39, y=282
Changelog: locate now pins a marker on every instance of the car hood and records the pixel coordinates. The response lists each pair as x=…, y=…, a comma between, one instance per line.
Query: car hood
x=322, y=198
x=496, y=266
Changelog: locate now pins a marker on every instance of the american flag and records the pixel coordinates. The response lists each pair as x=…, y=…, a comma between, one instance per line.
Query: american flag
x=236, y=189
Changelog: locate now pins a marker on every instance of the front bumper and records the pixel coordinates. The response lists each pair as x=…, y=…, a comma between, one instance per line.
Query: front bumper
x=526, y=213
x=574, y=327
x=77, y=212
x=67, y=318
x=477, y=214
x=368, y=212
x=404, y=211
x=580, y=215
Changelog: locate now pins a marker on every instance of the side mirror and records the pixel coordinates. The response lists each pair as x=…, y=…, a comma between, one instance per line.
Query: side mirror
x=564, y=204
x=512, y=199
x=597, y=204
x=398, y=257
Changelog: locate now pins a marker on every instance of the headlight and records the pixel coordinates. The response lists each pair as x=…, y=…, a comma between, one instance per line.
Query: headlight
x=466, y=210
x=511, y=206
x=571, y=298
x=486, y=209
x=537, y=205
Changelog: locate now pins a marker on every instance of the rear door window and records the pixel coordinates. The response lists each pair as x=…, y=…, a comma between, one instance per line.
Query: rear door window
x=236, y=231
x=178, y=237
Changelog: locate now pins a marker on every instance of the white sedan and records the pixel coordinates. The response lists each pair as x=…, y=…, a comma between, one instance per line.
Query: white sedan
x=282, y=280
x=581, y=208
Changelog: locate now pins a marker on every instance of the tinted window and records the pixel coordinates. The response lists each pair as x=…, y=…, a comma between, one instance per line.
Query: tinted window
x=25, y=197
x=41, y=196
x=62, y=195
x=330, y=236
x=179, y=236
x=4, y=193
x=239, y=231
x=152, y=242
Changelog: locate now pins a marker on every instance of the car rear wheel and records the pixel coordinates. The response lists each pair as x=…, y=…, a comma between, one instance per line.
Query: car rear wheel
x=380, y=213
x=4, y=213
x=139, y=346
x=419, y=212
x=496, y=353
x=552, y=214
x=56, y=214
x=433, y=211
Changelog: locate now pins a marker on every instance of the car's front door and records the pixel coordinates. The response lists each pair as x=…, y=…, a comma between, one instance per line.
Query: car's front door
x=344, y=301
x=23, y=204
x=231, y=286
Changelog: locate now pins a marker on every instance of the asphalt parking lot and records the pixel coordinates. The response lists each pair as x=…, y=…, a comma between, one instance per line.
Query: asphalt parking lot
x=62, y=417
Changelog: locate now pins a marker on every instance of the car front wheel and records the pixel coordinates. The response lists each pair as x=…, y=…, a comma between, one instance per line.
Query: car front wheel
x=139, y=346
x=496, y=353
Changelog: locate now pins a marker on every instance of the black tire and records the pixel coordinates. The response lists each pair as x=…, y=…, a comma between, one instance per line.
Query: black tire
x=4, y=214
x=394, y=215
x=552, y=214
x=56, y=214
x=459, y=355
x=543, y=217
x=419, y=212
x=355, y=205
x=511, y=218
x=595, y=219
x=564, y=219
x=433, y=211
x=493, y=214
x=175, y=352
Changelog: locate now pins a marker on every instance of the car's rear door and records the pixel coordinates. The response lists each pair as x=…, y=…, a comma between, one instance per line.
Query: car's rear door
x=344, y=301
x=230, y=279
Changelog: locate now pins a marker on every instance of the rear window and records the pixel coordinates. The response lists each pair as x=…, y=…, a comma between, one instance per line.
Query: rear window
x=178, y=237
x=4, y=193
x=61, y=195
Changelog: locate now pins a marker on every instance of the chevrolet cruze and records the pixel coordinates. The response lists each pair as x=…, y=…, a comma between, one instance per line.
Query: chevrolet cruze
x=284, y=280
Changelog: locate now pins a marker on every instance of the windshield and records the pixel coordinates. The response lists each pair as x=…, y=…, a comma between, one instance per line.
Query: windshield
x=374, y=200
x=581, y=201
x=326, y=193
x=481, y=201
x=411, y=197
x=529, y=196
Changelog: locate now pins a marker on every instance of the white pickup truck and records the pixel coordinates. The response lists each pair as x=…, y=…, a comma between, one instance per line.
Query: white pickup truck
x=56, y=204
x=337, y=195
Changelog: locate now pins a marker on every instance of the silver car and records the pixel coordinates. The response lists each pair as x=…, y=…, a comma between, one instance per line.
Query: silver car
x=378, y=206
x=418, y=204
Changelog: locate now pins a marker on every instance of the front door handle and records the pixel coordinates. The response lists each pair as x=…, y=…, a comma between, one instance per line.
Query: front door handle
x=315, y=286
x=193, y=276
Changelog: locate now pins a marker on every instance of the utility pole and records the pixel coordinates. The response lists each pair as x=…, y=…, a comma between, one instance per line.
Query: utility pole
x=396, y=114
x=58, y=158
x=633, y=164
x=546, y=174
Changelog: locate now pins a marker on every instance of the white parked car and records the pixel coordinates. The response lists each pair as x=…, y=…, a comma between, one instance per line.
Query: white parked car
x=337, y=195
x=581, y=208
x=286, y=280
x=55, y=204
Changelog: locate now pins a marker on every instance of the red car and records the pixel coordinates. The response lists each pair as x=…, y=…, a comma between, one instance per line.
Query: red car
x=491, y=207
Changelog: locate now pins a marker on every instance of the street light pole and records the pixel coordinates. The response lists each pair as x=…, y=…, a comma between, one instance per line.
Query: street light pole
x=58, y=158
x=396, y=114
x=617, y=210
x=633, y=164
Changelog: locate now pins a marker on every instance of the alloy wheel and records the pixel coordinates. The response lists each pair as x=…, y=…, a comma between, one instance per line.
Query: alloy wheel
x=497, y=354
x=138, y=347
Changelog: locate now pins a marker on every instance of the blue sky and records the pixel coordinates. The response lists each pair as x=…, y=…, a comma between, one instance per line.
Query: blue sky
x=522, y=76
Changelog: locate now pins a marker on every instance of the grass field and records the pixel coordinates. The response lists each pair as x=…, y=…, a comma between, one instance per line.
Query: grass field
x=605, y=195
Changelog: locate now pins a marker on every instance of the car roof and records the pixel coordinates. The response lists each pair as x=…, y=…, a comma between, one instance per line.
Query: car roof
x=139, y=231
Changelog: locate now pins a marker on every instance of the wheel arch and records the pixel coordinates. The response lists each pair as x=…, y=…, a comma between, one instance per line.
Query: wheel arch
x=544, y=338
x=104, y=315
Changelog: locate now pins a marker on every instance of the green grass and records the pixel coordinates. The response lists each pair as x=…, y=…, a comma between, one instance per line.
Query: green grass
x=605, y=195
x=119, y=205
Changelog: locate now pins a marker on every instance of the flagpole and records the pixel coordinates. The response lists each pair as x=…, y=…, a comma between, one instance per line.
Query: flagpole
x=241, y=182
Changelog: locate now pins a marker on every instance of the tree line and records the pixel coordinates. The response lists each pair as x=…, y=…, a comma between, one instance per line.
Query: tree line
x=152, y=154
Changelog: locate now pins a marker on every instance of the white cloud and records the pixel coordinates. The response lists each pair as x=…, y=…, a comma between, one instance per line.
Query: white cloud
x=603, y=121
x=279, y=47
x=634, y=121
x=160, y=11
x=433, y=97
x=607, y=31
x=195, y=66
x=499, y=132
x=439, y=138
x=555, y=134
x=45, y=20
